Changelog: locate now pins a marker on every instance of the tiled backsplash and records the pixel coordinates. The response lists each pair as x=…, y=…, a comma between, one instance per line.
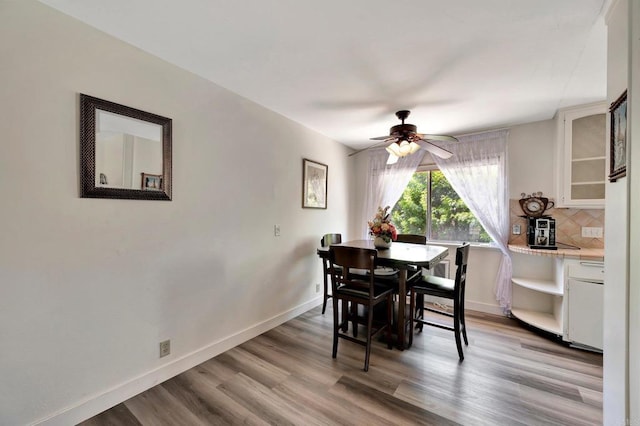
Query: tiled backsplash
x=569, y=223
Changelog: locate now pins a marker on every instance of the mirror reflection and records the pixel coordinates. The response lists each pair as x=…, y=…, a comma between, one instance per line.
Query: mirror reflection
x=127, y=149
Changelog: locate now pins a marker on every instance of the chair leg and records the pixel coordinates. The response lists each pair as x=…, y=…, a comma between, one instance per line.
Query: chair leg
x=412, y=308
x=326, y=294
x=456, y=328
x=344, y=312
x=389, y=320
x=336, y=327
x=368, y=344
x=354, y=321
x=462, y=322
x=420, y=310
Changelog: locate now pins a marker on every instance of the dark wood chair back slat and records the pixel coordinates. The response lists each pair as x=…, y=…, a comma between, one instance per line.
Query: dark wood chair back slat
x=411, y=238
x=347, y=258
x=326, y=241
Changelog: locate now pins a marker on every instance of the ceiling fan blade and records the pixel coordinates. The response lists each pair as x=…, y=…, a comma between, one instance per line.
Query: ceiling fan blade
x=383, y=138
x=435, y=150
x=445, y=138
x=369, y=147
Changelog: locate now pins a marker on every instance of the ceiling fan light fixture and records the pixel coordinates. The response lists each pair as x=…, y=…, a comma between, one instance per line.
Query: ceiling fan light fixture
x=414, y=147
x=407, y=141
x=394, y=149
x=402, y=148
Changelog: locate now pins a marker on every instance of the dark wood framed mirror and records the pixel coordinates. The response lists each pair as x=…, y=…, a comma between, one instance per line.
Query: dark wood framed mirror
x=124, y=152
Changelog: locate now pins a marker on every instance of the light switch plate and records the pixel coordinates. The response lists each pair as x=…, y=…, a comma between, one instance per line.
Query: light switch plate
x=591, y=232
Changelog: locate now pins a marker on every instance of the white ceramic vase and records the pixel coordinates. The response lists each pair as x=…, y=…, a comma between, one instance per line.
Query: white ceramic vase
x=380, y=243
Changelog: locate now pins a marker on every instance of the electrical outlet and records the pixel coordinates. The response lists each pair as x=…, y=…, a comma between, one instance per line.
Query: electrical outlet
x=276, y=230
x=165, y=348
x=317, y=288
x=516, y=230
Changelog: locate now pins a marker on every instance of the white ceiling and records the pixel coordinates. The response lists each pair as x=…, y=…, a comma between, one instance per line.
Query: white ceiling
x=343, y=67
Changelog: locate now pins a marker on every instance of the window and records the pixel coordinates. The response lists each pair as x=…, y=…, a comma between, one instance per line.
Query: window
x=429, y=206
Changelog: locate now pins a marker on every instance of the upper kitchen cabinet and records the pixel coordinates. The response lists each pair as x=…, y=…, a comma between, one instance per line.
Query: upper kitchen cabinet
x=582, y=166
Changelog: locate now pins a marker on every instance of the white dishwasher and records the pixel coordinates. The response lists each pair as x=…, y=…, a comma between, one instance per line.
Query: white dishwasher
x=585, y=292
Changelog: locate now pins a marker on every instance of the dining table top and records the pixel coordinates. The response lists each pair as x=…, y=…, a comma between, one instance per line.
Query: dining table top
x=400, y=254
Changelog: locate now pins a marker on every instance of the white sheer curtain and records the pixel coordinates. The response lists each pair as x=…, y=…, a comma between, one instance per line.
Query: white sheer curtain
x=385, y=184
x=478, y=173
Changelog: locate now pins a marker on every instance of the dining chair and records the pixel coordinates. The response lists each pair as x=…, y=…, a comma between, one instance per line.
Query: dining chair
x=352, y=290
x=446, y=288
x=411, y=238
x=326, y=241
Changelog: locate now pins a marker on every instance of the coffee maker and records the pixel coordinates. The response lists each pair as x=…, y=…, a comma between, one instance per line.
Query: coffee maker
x=541, y=233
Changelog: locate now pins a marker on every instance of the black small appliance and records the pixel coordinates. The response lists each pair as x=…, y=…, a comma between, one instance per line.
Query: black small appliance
x=541, y=233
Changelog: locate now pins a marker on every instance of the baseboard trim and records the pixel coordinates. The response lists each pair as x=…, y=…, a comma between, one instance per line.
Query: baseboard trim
x=484, y=307
x=96, y=404
x=471, y=305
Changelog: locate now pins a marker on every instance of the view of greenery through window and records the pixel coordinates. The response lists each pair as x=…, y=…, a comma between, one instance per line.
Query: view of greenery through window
x=450, y=218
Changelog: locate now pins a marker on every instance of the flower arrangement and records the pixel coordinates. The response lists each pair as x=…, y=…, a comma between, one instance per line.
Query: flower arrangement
x=382, y=227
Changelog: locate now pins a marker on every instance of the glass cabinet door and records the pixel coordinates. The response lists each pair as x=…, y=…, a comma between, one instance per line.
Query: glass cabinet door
x=583, y=168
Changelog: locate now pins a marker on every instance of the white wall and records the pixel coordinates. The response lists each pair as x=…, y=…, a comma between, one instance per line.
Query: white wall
x=532, y=149
x=89, y=287
x=634, y=206
x=616, y=251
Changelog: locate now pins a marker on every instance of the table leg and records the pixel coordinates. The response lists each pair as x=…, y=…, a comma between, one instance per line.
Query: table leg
x=325, y=271
x=402, y=295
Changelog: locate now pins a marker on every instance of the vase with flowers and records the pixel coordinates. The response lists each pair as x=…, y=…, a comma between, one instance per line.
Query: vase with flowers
x=382, y=229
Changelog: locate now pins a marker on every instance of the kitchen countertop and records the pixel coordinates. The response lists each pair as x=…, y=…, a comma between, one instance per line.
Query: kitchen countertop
x=581, y=254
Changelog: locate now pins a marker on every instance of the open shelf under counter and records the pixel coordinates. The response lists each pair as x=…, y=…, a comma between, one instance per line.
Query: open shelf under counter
x=543, y=286
x=542, y=320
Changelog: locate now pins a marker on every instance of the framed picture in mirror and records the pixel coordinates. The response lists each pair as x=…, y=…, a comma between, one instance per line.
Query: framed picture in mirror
x=151, y=182
x=118, y=145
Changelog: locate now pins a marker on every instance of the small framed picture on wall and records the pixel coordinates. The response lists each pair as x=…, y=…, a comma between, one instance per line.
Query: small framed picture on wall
x=314, y=184
x=618, y=138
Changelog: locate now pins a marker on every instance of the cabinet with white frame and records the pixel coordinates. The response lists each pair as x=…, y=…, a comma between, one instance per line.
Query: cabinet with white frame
x=538, y=291
x=562, y=296
x=581, y=156
x=584, y=308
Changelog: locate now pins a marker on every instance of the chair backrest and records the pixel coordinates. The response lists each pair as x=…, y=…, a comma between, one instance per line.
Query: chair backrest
x=328, y=239
x=462, y=255
x=411, y=238
x=348, y=258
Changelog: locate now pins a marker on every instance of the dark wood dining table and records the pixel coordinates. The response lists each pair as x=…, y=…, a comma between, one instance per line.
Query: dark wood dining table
x=401, y=256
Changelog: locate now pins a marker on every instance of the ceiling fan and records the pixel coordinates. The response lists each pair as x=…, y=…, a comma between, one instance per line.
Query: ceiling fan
x=405, y=141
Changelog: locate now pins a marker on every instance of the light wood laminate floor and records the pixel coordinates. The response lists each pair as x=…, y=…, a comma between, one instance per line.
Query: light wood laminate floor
x=510, y=376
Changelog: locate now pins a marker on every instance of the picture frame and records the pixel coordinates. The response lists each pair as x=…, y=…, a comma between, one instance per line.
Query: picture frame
x=314, y=184
x=618, y=138
x=151, y=182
